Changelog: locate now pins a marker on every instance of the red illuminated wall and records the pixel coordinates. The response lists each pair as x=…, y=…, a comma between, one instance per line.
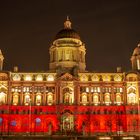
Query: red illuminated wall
x=93, y=119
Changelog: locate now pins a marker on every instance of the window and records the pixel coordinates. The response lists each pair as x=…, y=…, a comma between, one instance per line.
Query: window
x=95, y=89
x=68, y=96
x=15, y=98
x=107, y=98
x=26, y=99
x=2, y=98
x=38, y=99
x=131, y=98
x=106, y=89
x=118, y=98
x=84, y=98
x=50, y=99
x=95, y=99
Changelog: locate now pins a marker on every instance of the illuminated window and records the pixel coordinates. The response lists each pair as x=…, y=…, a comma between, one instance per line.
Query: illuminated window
x=38, y=99
x=50, y=78
x=39, y=78
x=27, y=99
x=106, y=89
x=50, y=99
x=95, y=89
x=87, y=89
x=118, y=98
x=131, y=98
x=107, y=98
x=28, y=78
x=15, y=98
x=84, y=98
x=27, y=89
x=67, y=55
x=2, y=98
x=95, y=99
x=68, y=96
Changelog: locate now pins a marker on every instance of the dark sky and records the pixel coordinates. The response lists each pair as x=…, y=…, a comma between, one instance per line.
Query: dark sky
x=109, y=28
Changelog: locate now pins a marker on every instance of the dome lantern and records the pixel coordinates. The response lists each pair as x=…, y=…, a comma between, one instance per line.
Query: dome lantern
x=67, y=23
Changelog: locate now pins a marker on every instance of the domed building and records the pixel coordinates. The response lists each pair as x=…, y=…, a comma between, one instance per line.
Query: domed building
x=68, y=102
x=67, y=52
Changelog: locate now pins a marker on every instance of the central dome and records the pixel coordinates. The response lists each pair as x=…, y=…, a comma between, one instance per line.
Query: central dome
x=67, y=32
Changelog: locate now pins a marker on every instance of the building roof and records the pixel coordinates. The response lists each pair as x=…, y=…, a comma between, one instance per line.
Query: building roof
x=67, y=31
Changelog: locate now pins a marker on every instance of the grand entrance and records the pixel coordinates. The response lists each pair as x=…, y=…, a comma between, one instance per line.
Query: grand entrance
x=67, y=123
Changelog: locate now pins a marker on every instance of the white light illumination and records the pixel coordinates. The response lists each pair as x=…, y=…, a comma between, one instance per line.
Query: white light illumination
x=117, y=78
x=106, y=78
x=50, y=78
x=104, y=138
x=28, y=78
x=50, y=99
x=38, y=99
x=2, y=98
x=84, y=99
x=131, y=97
x=16, y=77
x=128, y=138
x=39, y=78
x=27, y=99
x=87, y=89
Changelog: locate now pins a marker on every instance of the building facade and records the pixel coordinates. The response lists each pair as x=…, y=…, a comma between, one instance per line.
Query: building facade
x=67, y=99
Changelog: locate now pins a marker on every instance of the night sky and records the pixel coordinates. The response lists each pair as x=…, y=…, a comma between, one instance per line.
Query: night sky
x=110, y=30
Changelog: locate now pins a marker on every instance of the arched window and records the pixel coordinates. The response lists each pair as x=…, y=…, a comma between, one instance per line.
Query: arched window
x=27, y=99
x=131, y=95
x=15, y=98
x=95, y=98
x=107, y=98
x=118, y=98
x=38, y=99
x=131, y=98
x=50, y=99
x=84, y=98
x=68, y=96
x=2, y=98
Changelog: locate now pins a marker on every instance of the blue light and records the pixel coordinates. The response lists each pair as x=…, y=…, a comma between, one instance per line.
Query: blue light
x=13, y=123
x=1, y=120
x=38, y=120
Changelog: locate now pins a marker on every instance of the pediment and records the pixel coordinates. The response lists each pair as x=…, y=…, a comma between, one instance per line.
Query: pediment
x=68, y=77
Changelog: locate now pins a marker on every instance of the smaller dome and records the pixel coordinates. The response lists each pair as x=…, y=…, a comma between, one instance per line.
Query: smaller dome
x=137, y=50
x=67, y=32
